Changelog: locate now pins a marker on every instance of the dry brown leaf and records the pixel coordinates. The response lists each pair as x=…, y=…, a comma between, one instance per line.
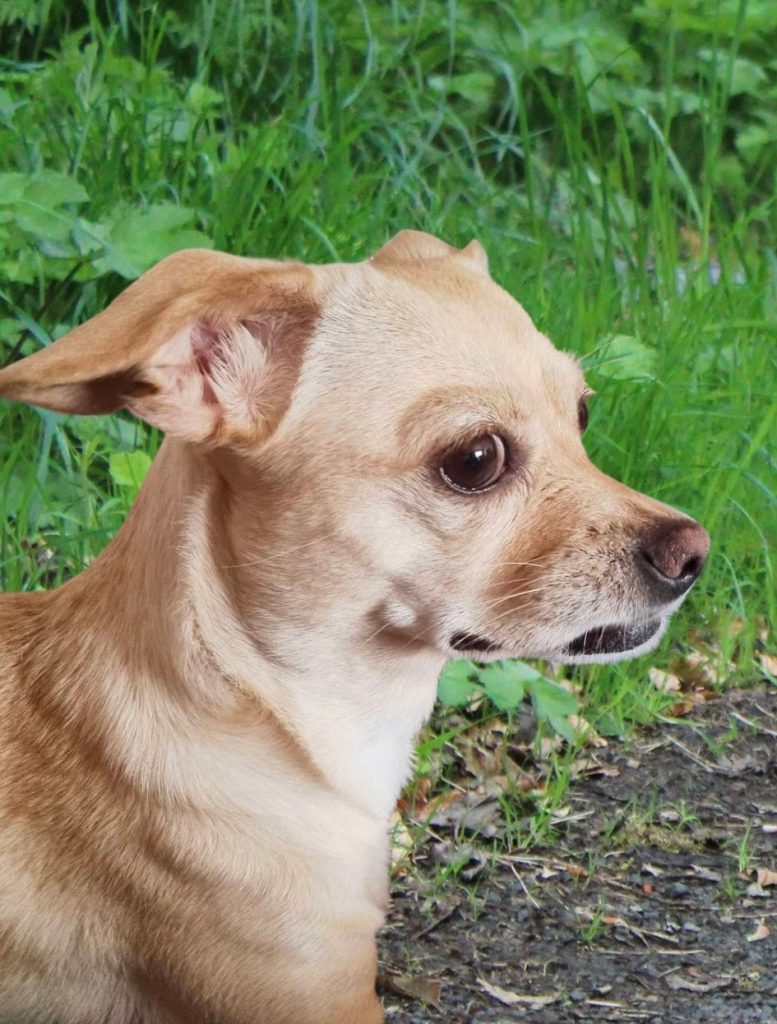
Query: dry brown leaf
x=508, y=998
x=437, y=805
x=649, y=869
x=550, y=745
x=768, y=663
x=422, y=990
x=755, y=890
x=585, y=731
x=576, y=871
x=697, y=670
x=681, y=708
x=664, y=681
x=762, y=931
x=765, y=876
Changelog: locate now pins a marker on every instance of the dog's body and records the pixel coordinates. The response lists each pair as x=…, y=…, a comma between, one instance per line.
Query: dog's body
x=203, y=735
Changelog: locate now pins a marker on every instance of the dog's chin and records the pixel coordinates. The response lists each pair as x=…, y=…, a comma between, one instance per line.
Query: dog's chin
x=613, y=642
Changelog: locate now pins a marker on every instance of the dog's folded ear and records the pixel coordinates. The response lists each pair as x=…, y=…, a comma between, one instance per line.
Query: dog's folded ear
x=410, y=246
x=205, y=346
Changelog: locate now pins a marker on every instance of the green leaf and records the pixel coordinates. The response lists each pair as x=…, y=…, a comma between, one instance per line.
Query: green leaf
x=476, y=86
x=457, y=683
x=505, y=682
x=140, y=238
x=49, y=188
x=202, y=98
x=43, y=221
x=562, y=727
x=12, y=187
x=551, y=701
x=623, y=357
x=128, y=469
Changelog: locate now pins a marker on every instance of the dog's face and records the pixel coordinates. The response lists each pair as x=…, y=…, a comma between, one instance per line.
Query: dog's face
x=402, y=451
x=433, y=487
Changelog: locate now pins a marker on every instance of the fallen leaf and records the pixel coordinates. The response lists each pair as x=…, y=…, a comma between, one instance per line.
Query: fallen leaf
x=681, y=708
x=705, y=874
x=576, y=871
x=472, y=814
x=649, y=869
x=585, y=732
x=765, y=876
x=768, y=663
x=468, y=861
x=422, y=990
x=761, y=932
x=744, y=763
x=698, y=670
x=508, y=998
x=664, y=681
x=680, y=984
x=756, y=890
x=437, y=805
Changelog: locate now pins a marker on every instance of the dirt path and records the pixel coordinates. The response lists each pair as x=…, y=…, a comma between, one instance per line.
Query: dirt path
x=648, y=909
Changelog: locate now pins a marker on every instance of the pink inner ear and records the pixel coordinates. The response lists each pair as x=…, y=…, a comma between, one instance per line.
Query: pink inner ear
x=206, y=344
x=182, y=399
x=208, y=382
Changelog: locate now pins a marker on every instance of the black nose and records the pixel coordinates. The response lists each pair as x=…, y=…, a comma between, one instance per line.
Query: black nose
x=672, y=555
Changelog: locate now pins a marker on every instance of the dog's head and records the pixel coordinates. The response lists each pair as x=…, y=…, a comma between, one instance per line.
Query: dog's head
x=401, y=452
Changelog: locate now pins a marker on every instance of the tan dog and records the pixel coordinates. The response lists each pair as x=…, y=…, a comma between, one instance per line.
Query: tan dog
x=369, y=469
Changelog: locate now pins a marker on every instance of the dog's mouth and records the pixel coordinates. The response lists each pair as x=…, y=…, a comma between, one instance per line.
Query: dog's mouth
x=614, y=639
x=602, y=643
x=471, y=643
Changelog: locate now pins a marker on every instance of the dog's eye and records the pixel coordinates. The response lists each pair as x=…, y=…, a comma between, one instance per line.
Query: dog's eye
x=475, y=465
x=582, y=414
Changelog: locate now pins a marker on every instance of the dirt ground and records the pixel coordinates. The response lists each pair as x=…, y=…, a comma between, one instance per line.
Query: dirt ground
x=658, y=902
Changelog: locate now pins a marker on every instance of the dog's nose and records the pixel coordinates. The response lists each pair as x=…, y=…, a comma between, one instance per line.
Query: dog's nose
x=673, y=554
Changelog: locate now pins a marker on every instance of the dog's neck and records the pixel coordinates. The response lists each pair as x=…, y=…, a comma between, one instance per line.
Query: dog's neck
x=166, y=583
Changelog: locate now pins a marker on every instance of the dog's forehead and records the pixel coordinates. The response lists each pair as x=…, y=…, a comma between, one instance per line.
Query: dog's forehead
x=438, y=325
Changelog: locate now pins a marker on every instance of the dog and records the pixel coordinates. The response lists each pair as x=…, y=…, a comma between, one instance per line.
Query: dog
x=368, y=469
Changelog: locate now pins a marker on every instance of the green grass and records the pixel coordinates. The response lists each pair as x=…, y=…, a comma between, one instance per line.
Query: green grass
x=616, y=162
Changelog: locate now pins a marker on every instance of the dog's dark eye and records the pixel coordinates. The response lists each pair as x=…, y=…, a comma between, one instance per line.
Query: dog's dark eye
x=475, y=465
x=582, y=414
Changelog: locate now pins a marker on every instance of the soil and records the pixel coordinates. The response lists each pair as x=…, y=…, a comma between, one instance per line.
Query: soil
x=649, y=905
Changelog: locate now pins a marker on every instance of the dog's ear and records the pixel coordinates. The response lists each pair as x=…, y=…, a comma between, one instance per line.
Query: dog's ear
x=205, y=346
x=412, y=246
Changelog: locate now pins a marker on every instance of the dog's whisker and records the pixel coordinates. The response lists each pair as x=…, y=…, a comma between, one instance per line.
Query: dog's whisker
x=517, y=607
x=278, y=555
x=511, y=596
x=537, y=565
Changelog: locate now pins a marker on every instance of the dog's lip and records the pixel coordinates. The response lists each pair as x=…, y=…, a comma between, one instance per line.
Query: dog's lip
x=465, y=643
x=616, y=638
